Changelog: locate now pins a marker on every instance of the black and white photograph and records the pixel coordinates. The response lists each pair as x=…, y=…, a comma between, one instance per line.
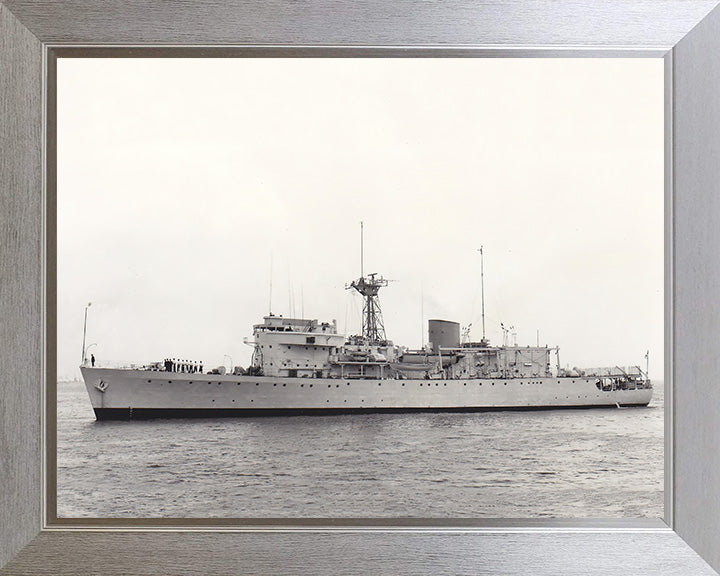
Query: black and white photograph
x=360, y=288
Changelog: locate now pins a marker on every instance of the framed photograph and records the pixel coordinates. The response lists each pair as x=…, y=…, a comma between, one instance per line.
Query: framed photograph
x=401, y=409
x=57, y=246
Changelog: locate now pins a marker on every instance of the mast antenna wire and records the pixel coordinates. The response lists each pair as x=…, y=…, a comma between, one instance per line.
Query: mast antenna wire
x=422, y=316
x=482, y=290
x=271, y=279
x=362, y=256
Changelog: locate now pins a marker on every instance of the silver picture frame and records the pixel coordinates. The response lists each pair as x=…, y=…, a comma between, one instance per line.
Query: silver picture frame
x=686, y=34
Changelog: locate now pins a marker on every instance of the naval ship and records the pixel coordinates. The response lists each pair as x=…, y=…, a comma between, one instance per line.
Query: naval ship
x=302, y=366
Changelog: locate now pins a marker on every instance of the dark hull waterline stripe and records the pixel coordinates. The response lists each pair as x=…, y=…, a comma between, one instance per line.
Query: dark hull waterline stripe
x=151, y=413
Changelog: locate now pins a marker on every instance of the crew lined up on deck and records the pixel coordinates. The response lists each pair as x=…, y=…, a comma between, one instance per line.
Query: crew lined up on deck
x=174, y=365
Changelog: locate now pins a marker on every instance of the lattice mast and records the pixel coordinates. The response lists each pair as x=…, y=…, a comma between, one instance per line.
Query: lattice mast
x=373, y=330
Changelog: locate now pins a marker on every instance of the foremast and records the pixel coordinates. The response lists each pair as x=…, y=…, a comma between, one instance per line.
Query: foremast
x=373, y=329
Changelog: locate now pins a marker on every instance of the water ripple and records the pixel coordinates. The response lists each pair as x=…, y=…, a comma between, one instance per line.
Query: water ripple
x=568, y=464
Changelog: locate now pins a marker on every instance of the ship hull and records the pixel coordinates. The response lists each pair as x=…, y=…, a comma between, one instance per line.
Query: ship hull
x=141, y=394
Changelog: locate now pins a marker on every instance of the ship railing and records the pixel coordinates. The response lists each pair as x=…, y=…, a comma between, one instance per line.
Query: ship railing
x=611, y=371
x=125, y=365
x=362, y=363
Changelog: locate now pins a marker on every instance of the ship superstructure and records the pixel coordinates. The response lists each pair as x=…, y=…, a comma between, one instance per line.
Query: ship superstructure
x=294, y=347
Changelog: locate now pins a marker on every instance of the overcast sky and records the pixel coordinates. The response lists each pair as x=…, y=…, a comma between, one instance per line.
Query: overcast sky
x=185, y=187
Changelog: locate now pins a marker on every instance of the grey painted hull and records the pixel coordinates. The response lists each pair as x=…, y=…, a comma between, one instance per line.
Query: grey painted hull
x=123, y=393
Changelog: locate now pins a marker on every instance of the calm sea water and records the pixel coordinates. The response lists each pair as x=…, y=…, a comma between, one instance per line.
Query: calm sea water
x=556, y=463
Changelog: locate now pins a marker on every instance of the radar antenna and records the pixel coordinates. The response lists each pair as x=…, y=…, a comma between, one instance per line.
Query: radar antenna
x=373, y=330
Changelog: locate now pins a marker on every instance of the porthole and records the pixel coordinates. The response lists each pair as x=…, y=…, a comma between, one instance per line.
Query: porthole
x=149, y=381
